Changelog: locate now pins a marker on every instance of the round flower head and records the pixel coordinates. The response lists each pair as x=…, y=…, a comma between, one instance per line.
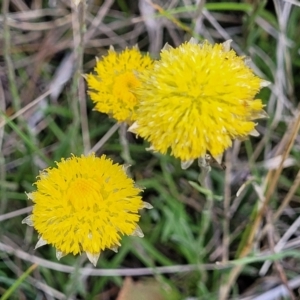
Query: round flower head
x=85, y=204
x=197, y=98
x=112, y=88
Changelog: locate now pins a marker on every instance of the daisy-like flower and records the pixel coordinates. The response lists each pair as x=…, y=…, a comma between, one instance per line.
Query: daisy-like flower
x=85, y=204
x=112, y=88
x=196, y=100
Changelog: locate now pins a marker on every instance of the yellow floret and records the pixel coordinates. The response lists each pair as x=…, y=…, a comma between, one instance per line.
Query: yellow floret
x=197, y=99
x=85, y=204
x=112, y=87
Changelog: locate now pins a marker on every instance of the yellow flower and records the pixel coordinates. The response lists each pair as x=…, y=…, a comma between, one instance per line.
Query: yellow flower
x=197, y=99
x=112, y=88
x=85, y=204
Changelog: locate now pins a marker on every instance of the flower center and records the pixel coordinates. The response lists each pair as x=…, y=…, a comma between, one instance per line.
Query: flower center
x=84, y=193
x=123, y=87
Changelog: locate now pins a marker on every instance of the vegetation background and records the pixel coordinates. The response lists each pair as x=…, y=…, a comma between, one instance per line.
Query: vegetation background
x=240, y=240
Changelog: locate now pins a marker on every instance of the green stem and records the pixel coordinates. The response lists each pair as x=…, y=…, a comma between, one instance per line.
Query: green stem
x=18, y=282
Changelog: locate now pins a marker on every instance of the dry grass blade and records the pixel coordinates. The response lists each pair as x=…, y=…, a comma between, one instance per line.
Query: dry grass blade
x=98, y=19
x=280, y=291
x=281, y=244
x=106, y=272
x=105, y=138
x=287, y=198
x=171, y=17
x=278, y=266
x=65, y=20
x=34, y=14
x=15, y=213
x=154, y=27
x=2, y=108
x=26, y=108
x=271, y=181
x=227, y=197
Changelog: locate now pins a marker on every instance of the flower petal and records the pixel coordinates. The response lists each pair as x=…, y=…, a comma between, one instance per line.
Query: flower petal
x=138, y=232
x=60, y=254
x=93, y=258
x=28, y=221
x=115, y=249
x=186, y=164
x=147, y=205
x=41, y=242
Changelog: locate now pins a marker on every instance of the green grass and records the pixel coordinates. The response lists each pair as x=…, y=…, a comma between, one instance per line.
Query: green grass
x=224, y=239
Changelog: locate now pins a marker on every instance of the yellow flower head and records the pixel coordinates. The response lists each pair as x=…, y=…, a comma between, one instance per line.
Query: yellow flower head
x=112, y=88
x=196, y=99
x=85, y=204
